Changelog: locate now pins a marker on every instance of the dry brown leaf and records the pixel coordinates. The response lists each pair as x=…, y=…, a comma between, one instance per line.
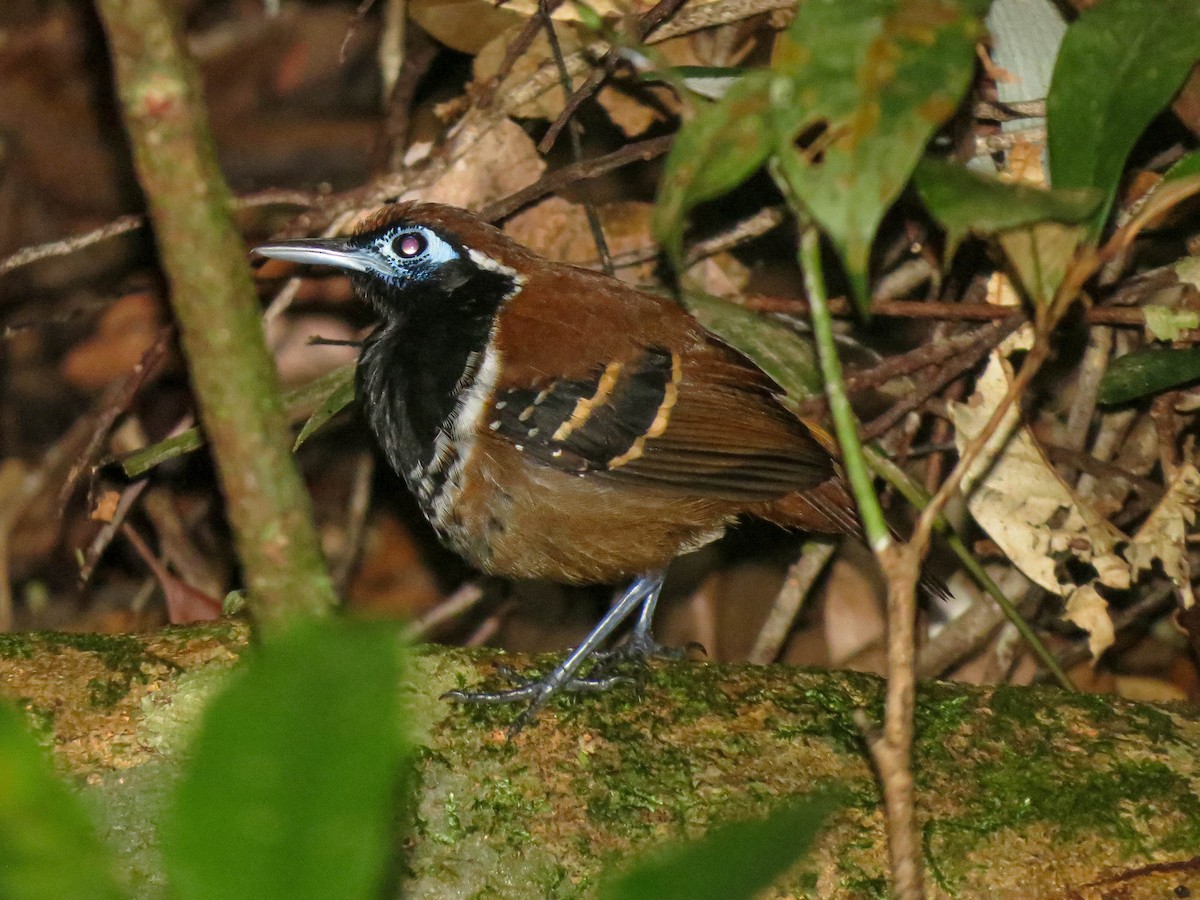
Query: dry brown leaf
x=392, y=578
x=491, y=163
x=125, y=332
x=853, y=615
x=464, y=25
x=558, y=230
x=629, y=113
x=105, y=509
x=1145, y=689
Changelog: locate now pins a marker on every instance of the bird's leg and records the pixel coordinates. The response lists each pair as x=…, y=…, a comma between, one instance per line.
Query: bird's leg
x=641, y=645
x=642, y=592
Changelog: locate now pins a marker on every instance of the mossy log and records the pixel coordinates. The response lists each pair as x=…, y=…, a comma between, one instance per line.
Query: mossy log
x=1021, y=792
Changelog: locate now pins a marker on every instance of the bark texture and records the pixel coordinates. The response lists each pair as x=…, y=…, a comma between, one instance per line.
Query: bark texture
x=213, y=298
x=1020, y=792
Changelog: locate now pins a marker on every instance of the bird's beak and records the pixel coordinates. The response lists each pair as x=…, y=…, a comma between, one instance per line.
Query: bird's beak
x=336, y=252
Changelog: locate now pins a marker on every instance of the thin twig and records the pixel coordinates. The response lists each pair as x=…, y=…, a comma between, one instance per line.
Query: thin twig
x=420, y=51
x=1006, y=112
x=125, y=224
x=575, y=130
x=1120, y=316
x=574, y=173
x=113, y=403
x=356, y=522
x=920, y=498
x=655, y=16
x=955, y=367
x=1087, y=387
x=514, y=51
x=801, y=576
x=100, y=541
x=67, y=246
x=458, y=603
x=975, y=447
x=972, y=343
x=891, y=749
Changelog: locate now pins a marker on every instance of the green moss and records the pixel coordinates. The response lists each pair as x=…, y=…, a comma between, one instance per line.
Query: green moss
x=1156, y=725
x=867, y=887
x=16, y=646
x=1073, y=798
x=105, y=693
x=941, y=711
x=123, y=655
x=41, y=721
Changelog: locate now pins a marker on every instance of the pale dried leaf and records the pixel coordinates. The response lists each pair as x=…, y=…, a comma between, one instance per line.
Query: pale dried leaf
x=1163, y=535
x=1087, y=609
x=722, y=275
x=1020, y=501
x=544, y=104
x=1146, y=689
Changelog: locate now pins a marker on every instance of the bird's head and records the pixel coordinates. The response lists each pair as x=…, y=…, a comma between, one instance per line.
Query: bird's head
x=408, y=254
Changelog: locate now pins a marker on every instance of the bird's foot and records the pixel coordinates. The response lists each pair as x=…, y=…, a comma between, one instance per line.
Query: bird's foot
x=643, y=647
x=537, y=692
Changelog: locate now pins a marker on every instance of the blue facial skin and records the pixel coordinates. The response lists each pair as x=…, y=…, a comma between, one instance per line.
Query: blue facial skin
x=407, y=255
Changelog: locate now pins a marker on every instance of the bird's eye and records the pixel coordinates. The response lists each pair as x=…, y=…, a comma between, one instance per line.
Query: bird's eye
x=408, y=246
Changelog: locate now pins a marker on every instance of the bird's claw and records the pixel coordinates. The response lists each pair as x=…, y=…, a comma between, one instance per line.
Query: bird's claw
x=643, y=647
x=536, y=692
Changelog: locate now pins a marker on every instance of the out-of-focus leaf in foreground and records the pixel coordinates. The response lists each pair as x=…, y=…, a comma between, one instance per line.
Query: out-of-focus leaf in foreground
x=48, y=848
x=733, y=861
x=293, y=787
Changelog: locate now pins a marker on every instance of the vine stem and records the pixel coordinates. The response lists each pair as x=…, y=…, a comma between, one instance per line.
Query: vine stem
x=844, y=422
x=891, y=749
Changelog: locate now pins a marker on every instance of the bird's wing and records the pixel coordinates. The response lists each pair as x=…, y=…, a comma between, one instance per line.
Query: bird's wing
x=661, y=403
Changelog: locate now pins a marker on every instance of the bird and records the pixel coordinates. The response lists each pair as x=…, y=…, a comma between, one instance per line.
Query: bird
x=554, y=422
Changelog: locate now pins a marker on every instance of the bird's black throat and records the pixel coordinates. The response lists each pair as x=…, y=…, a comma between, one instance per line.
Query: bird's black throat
x=416, y=365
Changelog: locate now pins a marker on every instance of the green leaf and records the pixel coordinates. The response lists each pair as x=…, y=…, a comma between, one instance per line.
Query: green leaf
x=966, y=202
x=861, y=87
x=340, y=384
x=778, y=350
x=713, y=153
x=1168, y=324
x=1146, y=372
x=293, y=784
x=1040, y=255
x=1187, y=167
x=48, y=847
x=713, y=82
x=296, y=402
x=732, y=861
x=1120, y=64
